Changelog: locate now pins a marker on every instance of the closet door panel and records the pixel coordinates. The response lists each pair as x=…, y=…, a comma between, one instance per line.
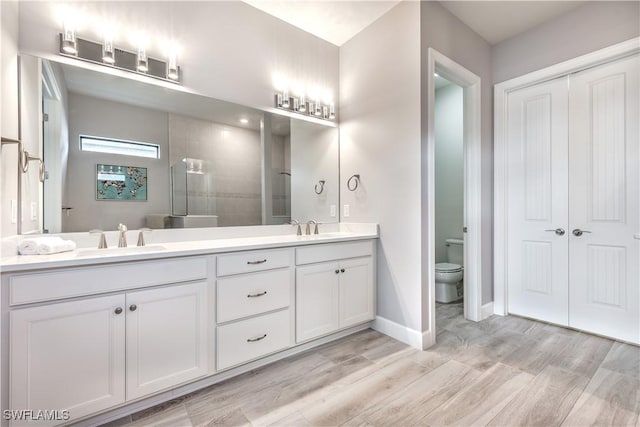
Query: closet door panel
x=538, y=197
x=604, y=200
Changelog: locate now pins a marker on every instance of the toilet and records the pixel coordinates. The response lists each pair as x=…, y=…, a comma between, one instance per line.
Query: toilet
x=449, y=274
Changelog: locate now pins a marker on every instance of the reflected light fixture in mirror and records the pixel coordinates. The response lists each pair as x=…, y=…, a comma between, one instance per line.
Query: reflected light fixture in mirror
x=172, y=67
x=69, y=45
x=285, y=99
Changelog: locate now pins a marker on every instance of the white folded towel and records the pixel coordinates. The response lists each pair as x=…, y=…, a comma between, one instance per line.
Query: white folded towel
x=45, y=246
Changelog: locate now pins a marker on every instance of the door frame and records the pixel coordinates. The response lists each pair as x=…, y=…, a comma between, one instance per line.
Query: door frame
x=470, y=83
x=500, y=150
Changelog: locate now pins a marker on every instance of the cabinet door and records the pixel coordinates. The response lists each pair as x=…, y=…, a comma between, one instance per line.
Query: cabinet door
x=166, y=337
x=317, y=300
x=69, y=356
x=356, y=291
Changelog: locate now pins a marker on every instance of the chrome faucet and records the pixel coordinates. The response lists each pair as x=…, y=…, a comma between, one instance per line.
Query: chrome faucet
x=315, y=229
x=295, y=222
x=102, y=244
x=122, y=239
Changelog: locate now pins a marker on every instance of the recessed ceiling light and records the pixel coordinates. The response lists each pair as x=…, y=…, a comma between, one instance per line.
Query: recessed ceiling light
x=436, y=74
x=244, y=121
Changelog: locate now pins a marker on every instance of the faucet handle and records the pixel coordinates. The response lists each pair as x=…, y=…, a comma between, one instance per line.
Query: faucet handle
x=141, y=241
x=102, y=244
x=122, y=227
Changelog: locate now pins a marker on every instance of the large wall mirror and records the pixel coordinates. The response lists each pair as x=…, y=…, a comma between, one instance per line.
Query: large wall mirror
x=119, y=150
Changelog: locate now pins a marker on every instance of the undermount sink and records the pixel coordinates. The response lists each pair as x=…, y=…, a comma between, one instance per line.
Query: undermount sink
x=129, y=250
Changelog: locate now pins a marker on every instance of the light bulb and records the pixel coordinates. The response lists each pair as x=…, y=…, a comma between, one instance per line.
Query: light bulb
x=303, y=104
x=143, y=64
x=108, y=54
x=332, y=111
x=285, y=98
x=69, y=39
x=172, y=67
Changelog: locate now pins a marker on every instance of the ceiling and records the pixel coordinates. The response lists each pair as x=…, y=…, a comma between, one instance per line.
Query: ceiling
x=338, y=21
x=496, y=21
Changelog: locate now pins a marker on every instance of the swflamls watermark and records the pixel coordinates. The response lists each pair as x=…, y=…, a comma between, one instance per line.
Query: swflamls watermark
x=36, y=415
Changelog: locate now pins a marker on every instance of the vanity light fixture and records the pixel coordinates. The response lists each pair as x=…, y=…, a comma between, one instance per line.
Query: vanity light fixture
x=300, y=105
x=142, y=63
x=69, y=45
x=108, y=54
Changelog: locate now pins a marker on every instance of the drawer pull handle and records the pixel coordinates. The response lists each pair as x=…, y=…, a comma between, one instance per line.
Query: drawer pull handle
x=257, y=295
x=262, y=261
x=257, y=339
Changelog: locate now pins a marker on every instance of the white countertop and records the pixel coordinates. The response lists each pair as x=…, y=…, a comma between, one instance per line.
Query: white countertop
x=157, y=250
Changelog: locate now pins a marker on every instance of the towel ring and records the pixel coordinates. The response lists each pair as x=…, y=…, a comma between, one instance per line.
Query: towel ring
x=321, y=184
x=356, y=182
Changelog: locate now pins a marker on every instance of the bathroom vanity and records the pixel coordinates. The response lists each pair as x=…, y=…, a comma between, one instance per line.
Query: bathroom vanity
x=104, y=333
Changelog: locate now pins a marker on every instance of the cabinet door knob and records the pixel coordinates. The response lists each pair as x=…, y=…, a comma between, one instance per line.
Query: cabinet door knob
x=337, y=271
x=133, y=307
x=118, y=310
x=342, y=270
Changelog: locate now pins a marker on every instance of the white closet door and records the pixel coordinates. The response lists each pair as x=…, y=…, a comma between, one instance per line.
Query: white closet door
x=604, y=200
x=538, y=197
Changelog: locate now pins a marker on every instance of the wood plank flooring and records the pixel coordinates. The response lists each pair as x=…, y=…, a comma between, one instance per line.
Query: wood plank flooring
x=503, y=371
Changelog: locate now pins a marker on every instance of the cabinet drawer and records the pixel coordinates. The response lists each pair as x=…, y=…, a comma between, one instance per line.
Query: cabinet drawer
x=252, y=338
x=333, y=252
x=247, y=262
x=58, y=284
x=250, y=294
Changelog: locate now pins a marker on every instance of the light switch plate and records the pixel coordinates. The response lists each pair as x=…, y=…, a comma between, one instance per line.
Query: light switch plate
x=346, y=211
x=332, y=211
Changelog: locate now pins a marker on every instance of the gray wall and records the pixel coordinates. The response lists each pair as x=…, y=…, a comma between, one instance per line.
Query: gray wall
x=98, y=117
x=449, y=128
x=380, y=140
x=444, y=32
x=590, y=27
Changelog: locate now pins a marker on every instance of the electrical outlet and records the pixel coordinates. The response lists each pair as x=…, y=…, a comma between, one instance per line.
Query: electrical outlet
x=14, y=211
x=346, y=211
x=332, y=211
x=34, y=211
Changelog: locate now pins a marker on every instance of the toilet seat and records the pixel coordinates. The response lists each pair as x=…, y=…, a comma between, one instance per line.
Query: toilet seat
x=446, y=267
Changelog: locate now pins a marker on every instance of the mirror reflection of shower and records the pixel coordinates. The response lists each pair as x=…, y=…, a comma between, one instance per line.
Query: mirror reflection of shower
x=193, y=187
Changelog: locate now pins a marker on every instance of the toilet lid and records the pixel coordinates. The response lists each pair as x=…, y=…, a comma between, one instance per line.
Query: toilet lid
x=448, y=267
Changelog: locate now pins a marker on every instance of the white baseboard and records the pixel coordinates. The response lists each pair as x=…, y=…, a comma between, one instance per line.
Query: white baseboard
x=487, y=310
x=415, y=339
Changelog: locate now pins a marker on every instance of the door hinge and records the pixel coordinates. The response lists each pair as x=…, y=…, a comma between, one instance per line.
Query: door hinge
x=45, y=117
x=464, y=229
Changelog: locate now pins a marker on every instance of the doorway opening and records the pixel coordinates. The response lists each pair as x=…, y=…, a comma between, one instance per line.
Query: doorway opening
x=463, y=182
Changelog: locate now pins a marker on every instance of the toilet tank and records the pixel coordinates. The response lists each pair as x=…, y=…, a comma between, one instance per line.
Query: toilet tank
x=455, y=252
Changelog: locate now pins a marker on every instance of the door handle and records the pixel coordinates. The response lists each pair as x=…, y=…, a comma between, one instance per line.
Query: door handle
x=577, y=232
x=558, y=231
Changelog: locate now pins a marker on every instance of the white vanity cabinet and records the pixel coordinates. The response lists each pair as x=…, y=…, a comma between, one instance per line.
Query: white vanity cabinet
x=333, y=295
x=69, y=355
x=95, y=352
x=254, y=295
